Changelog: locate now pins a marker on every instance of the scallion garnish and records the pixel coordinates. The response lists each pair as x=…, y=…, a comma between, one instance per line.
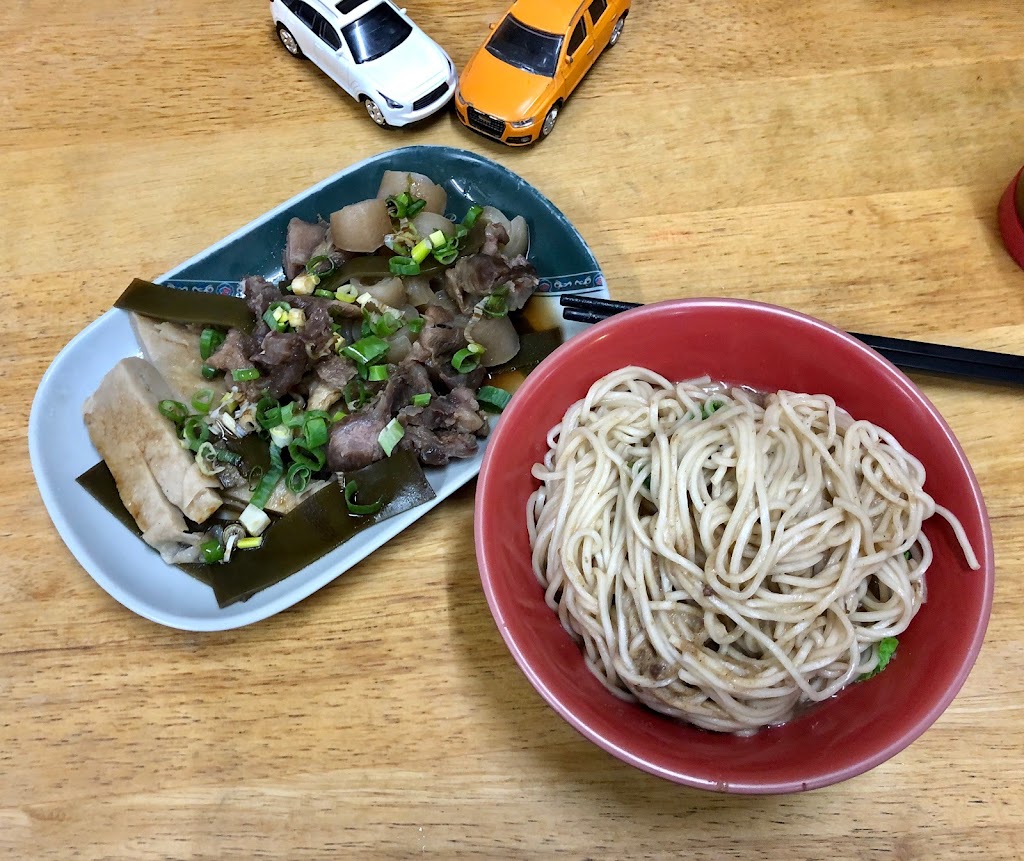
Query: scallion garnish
x=366, y=350
x=251, y=542
x=212, y=551
x=268, y=412
x=415, y=325
x=320, y=265
x=377, y=373
x=242, y=375
x=315, y=431
x=209, y=342
x=176, y=411
x=710, y=407
x=421, y=400
x=391, y=436
x=400, y=265
x=314, y=458
x=472, y=214
x=261, y=495
x=323, y=294
x=195, y=432
x=298, y=477
x=351, y=489
x=493, y=398
x=467, y=359
x=276, y=316
x=354, y=394
x=202, y=400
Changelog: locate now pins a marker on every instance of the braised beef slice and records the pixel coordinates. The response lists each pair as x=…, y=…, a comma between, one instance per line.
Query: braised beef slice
x=336, y=371
x=494, y=235
x=474, y=277
x=524, y=282
x=282, y=361
x=438, y=448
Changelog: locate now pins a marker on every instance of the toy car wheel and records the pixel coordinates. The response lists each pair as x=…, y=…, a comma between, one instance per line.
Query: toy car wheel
x=549, y=121
x=617, y=31
x=288, y=40
x=376, y=114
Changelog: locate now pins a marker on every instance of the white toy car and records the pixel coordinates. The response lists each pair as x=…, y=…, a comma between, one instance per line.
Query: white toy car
x=373, y=51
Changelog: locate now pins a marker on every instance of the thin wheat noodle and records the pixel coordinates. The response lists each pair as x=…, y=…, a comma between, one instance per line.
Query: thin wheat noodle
x=724, y=556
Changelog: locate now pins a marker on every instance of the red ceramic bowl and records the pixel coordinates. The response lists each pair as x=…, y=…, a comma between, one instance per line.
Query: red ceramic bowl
x=768, y=348
x=1011, y=218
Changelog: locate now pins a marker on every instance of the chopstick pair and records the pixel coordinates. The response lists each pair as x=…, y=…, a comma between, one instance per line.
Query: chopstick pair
x=909, y=355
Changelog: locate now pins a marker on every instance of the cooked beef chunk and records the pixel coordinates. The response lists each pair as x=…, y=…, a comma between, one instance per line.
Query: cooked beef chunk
x=303, y=238
x=235, y=352
x=458, y=410
x=440, y=447
x=317, y=333
x=524, y=283
x=447, y=378
x=259, y=294
x=472, y=278
x=336, y=371
x=284, y=362
x=494, y=235
x=353, y=441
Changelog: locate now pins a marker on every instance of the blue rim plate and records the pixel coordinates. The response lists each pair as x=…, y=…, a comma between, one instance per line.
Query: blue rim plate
x=59, y=445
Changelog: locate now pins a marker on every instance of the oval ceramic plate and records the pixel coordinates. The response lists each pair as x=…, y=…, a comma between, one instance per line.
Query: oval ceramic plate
x=60, y=448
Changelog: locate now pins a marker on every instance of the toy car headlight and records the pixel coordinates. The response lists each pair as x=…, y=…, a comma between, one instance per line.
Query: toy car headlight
x=522, y=124
x=391, y=102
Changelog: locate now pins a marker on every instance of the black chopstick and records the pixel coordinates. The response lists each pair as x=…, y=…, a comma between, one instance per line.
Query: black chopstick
x=909, y=355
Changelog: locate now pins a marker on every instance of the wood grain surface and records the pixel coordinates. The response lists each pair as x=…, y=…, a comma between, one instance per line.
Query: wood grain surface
x=842, y=158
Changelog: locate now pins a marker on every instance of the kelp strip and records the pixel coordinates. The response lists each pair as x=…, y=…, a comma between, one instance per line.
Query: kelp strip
x=315, y=527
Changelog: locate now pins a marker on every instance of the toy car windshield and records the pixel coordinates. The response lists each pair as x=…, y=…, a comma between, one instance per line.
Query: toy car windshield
x=375, y=34
x=525, y=48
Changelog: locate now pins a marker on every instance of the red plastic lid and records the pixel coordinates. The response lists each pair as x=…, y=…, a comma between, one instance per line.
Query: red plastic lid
x=1011, y=219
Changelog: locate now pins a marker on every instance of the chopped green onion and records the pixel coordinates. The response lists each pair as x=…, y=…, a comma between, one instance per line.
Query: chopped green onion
x=209, y=343
x=338, y=416
x=316, y=265
x=414, y=208
x=289, y=418
x=391, y=436
x=710, y=407
x=467, y=359
x=495, y=305
x=351, y=489
x=176, y=411
x=398, y=204
x=366, y=350
x=314, y=458
x=354, y=394
x=315, y=431
x=298, y=477
x=377, y=373
x=210, y=373
x=421, y=250
x=493, y=398
x=225, y=455
x=421, y=400
x=195, y=432
x=447, y=251
x=323, y=294
x=268, y=412
x=242, y=375
x=261, y=495
x=212, y=551
x=343, y=295
x=202, y=400
x=886, y=649
x=415, y=325
x=272, y=314
x=381, y=324
x=471, y=216
x=403, y=265
x=252, y=542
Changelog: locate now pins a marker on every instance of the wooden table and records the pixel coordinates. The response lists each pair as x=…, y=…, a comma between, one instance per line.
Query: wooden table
x=841, y=158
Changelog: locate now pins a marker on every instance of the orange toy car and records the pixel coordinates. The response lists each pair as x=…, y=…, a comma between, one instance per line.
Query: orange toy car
x=514, y=86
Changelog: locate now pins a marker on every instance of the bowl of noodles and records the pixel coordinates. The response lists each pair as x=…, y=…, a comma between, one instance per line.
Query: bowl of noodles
x=734, y=546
